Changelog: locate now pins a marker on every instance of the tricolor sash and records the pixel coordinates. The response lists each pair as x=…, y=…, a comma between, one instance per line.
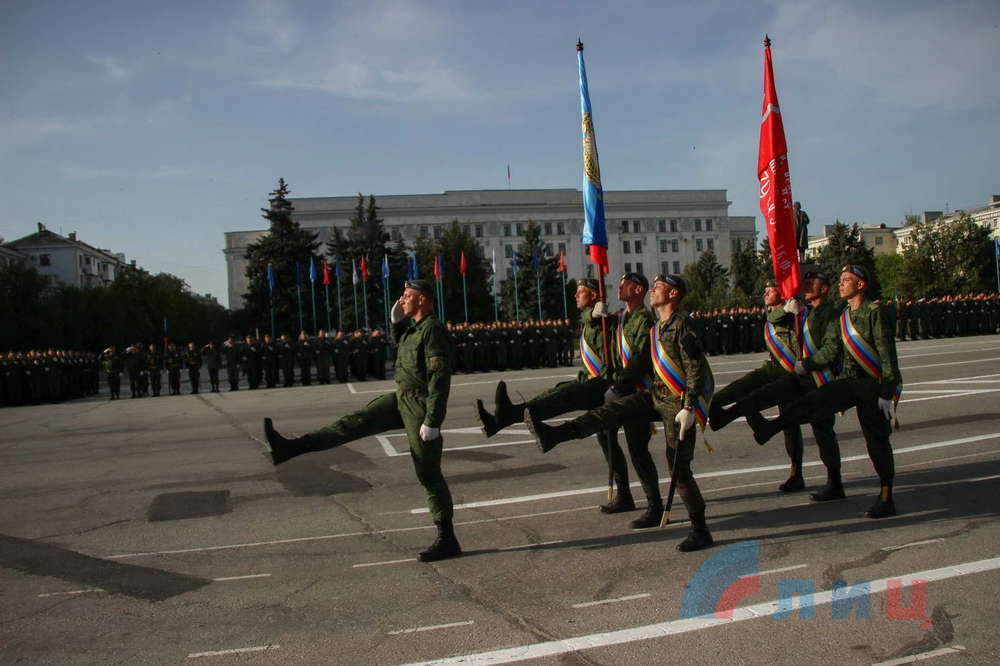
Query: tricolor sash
x=862, y=352
x=821, y=377
x=671, y=374
x=591, y=359
x=780, y=352
x=625, y=352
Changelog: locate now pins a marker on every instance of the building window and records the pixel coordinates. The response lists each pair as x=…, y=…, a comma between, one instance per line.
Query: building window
x=637, y=226
x=708, y=225
x=699, y=244
x=638, y=247
x=697, y=225
x=661, y=225
x=673, y=225
x=548, y=228
x=479, y=231
x=638, y=268
x=44, y=260
x=87, y=261
x=626, y=247
x=560, y=228
x=677, y=267
x=437, y=232
x=508, y=251
x=711, y=244
x=562, y=247
x=423, y=230
x=510, y=274
x=664, y=245
x=624, y=226
x=628, y=267
x=664, y=266
x=506, y=230
x=674, y=246
x=548, y=246
x=736, y=246
x=520, y=229
x=878, y=240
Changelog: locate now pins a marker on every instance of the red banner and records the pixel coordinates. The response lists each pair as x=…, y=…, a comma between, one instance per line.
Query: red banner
x=437, y=267
x=776, y=187
x=562, y=261
x=326, y=272
x=461, y=264
x=364, y=269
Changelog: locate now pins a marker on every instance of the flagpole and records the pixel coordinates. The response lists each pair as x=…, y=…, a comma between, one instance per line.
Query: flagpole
x=996, y=260
x=312, y=297
x=517, y=304
x=364, y=295
x=565, y=309
x=326, y=290
x=340, y=307
x=496, y=306
x=538, y=292
x=270, y=306
x=354, y=292
x=298, y=294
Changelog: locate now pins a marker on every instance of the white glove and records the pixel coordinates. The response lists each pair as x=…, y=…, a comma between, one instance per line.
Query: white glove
x=397, y=313
x=601, y=309
x=886, y=408
x=792, y=306
x=800, y=369
x=428, y=433
x=685, y=419
x=610, y=395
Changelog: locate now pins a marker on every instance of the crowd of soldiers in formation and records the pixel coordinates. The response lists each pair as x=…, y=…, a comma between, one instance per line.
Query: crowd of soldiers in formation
x=56, y=375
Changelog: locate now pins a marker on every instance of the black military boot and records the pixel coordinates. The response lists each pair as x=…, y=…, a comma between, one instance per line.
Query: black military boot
x=282, y=448
x=445, y=546
x=486, y=420
x=719, y=417
x=699, y=537
x=621, y=503
x=794, y=482
x=883, y=506
x=652, y=516
x=764, y=429
x=507, y=413
x=833, y=490
x=547, y=436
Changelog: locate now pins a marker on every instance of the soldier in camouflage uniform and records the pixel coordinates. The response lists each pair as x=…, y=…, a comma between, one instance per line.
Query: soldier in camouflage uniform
x=192, y=359
x=111, y=361
x=232, y=353
x=154, y=366
x=286, y=356
x=423, y=375
x=269, y=361
x=213, y=363
x=174, y=361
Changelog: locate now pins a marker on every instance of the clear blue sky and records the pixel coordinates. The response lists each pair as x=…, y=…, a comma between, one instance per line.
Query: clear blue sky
x=154, y=127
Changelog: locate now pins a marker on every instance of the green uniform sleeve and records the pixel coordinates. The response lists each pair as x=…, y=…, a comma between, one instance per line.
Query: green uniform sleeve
x=693, y=360
x=883, y=330
x=437, y=352
x=637, y=330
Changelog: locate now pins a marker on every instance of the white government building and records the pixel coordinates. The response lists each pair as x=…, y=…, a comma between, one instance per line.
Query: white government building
x=649, y=231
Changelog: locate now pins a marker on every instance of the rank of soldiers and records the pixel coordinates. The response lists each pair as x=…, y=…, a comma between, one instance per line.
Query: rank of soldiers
x=40, y=376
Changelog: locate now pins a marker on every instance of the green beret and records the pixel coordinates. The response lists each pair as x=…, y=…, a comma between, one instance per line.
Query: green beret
x=589, y=283
x=423, y=286
x=638, y=278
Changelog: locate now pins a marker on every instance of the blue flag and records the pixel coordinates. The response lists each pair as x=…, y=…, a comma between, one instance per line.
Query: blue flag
x=414, y=271
x=270, y=276
x=354, y=271
x=385, y=268
x=336, y=267
x=536, y=261
x=594, y=232
x=312, y=269
x=513, y=263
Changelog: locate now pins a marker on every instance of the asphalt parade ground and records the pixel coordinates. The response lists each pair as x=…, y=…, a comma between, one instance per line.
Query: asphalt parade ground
x=156, y=531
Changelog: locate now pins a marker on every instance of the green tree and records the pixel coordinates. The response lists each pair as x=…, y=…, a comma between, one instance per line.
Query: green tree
x=288, y=248
x=888, y=267
x=708, y=283
x=531, y=252
x=846, y=246
x=947, y=259
x=748, y=273
x=451, y=245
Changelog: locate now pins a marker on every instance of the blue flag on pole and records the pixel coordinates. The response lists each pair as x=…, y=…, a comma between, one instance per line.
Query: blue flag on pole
x=385, y=267
x=536, y=261
x=336, y=268
x=513, y=263
x=270, y=276
x=594, y=232
x=312, y=269
x=354, y=271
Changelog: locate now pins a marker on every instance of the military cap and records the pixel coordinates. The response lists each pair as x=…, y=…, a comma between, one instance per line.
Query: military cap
x=770, y=283
x=673, y=281
x=423, y=286
x=589, y=283
x=854, y=269
x=638, y=278
x=818, y=275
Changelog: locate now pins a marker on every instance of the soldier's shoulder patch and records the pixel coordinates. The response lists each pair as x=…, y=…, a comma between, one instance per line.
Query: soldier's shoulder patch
x=435, y=363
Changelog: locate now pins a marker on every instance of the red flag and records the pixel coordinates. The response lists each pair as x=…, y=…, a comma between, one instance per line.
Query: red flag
x=461, y=264
x=326, y=272
x=364, y=269
x=437, y=267
x=562, y=261
x=776, y=186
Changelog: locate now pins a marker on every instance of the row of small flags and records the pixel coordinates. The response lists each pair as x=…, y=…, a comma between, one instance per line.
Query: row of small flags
x=412, y=269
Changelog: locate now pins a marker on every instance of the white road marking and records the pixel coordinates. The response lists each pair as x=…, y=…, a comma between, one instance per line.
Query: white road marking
x=379, y=564
x=528, y=546
x=630, y=597
x=71, y=592
x=940, y=365
x=911, y=544
x=955, y=351
x=774, y=571
x=953, y=380
x=922, y=656
x=707, y=475
x=431, y=627
x=216, y=653
x=227, y=579
x=683, y=626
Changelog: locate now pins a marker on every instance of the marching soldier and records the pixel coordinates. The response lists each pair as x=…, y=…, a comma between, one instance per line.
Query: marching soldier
x=870, y=380
x=423, y=376
x=681, y=392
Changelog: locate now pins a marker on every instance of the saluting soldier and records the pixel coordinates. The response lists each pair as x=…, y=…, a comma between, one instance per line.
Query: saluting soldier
x=377, y=353
x=154, y=366
x=359, y=356
x=213, y=362
x=192, y=359
x=323, y=358
x=423, y=376
x=254, y=359
x=231, y=351
x=304, y=357
x=870, y=381
x=269, y=361
x=341, y=356
x=681, y=392
x=286, y=352
x=111, y=361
